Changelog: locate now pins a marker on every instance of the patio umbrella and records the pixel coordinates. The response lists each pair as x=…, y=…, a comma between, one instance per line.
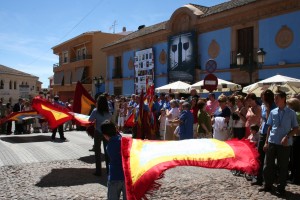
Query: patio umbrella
x=223, y=86
x=266, y=83
x=176, y=87
x=288, y=88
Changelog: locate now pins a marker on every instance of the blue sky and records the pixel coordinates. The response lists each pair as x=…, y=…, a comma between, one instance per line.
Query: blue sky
x=29, y=29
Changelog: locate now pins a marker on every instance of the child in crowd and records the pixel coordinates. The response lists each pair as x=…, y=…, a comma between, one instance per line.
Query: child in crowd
x=253, y=138
x=254, y=135
x=115, y=182
x=122, y=110
x=162, y=123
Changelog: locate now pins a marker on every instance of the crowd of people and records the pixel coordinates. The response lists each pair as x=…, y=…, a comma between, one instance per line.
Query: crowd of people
x=270, y=122
x=28, y=125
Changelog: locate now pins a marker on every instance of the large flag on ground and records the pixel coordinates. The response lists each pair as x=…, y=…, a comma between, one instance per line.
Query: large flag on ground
x=16, y=116
x=55, y=115
x=144, y=161
x=83, y=102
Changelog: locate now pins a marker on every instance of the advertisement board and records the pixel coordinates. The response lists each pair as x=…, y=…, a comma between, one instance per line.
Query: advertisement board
x=182, y=57
x=143, y=69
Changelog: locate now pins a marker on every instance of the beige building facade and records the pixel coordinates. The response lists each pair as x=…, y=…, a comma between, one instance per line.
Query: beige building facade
x=15, y=84
x=80, y=59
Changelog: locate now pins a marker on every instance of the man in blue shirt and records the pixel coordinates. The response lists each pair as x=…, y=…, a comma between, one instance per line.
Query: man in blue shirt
x=115, y=182
x=186, y=121
x=162, y=100
x=156, y=112
x=156, y=106
x=132, y=104
x=109, y=102
x=283, y=124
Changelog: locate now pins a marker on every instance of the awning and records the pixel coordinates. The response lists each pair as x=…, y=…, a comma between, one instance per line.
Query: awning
x=58, y=77
x=68, y=75
x=79, y=73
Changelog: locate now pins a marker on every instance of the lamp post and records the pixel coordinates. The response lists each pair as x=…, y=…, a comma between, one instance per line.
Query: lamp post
x=98, y=81
x=251, y=66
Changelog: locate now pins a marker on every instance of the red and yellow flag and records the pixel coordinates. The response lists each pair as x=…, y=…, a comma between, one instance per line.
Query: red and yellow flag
x=83, y=102
x=82, y=120
x=55, y=115
x=130, y=121
x=144, y=161
x=22, y=115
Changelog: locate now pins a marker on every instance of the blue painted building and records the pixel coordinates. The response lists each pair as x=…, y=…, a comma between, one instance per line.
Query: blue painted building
x=221, y=32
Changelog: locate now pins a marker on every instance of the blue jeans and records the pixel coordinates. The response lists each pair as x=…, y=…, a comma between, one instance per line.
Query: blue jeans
x=114, y=190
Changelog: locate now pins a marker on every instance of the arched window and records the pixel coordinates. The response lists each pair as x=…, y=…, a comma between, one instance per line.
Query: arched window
x=15, y=85
x=10, y=85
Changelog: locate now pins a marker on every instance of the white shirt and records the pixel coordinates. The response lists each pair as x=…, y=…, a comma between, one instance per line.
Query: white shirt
x=175, y=114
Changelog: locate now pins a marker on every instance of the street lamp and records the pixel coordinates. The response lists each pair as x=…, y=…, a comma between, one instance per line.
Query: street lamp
x=98, y=81
x=251, y=66
x=261, y=57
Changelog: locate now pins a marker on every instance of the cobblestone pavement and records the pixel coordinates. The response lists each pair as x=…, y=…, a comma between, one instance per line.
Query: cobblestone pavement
x=54, y=170
x=31, y=148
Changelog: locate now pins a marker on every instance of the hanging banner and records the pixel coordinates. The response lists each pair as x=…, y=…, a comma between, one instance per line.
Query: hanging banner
x=143, y=69
x=182, y=57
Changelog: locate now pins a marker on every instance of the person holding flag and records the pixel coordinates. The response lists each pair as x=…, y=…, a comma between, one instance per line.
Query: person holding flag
x=99, y=115
x=60, y=128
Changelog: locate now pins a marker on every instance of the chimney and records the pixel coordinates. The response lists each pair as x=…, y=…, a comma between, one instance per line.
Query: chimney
x=124, y=29
x=141, y=26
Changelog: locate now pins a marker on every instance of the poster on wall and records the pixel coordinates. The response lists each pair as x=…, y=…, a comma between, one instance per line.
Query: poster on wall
x=143, y=69
x=182, y=57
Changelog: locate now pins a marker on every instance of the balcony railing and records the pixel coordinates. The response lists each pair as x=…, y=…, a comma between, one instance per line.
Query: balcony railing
x=84, y=57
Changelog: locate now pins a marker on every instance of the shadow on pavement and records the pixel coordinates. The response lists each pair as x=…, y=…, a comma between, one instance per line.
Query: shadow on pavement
x=26, y=139
x=88, y=159
x=288, y=195
x=91, y=158
x=72, y=177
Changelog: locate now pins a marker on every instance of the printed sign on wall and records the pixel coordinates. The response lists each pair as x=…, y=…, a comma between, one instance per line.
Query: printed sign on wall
x=182, y=57
x=143, y=69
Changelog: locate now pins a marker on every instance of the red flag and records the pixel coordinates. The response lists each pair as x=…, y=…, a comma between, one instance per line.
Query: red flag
x=145, y=161
x=130, y=120
x=151, y=128
x=139, y=134
x=83, y=102
x=82, y=120
x=22, y=115
x=55, y=115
